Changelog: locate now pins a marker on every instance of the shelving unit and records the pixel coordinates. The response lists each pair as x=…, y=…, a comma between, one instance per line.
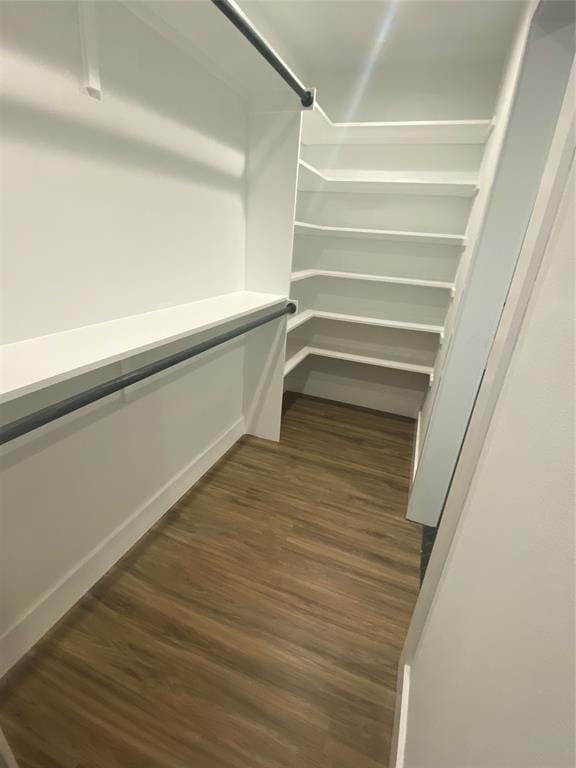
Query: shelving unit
x=310, y=179
x=300, y=356
x=319, y=129
x=34, y=364
x=304, y=274
x=322, y=230
x=382, y=210
x=304, y=317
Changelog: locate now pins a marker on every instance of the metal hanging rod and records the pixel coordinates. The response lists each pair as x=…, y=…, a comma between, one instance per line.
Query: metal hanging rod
x=243, y=25
x=50, y=413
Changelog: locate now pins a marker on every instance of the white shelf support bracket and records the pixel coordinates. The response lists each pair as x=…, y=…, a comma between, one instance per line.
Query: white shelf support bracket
x=89, y=47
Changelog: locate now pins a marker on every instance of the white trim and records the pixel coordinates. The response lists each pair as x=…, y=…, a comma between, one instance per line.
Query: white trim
x=416, y=454
x=421, y=506
x=62, y=596
x=403, y=717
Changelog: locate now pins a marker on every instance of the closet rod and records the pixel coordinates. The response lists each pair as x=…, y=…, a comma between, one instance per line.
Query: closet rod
x=242, y=24
x=55, y=411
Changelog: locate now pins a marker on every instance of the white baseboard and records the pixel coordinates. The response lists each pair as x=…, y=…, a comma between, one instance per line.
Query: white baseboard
x=403, y=720
x=22, y=635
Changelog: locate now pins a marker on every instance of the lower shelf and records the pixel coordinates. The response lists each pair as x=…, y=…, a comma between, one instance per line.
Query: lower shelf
x=299, y=356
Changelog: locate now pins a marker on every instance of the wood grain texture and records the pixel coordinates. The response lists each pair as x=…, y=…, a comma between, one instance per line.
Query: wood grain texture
x=259, y=625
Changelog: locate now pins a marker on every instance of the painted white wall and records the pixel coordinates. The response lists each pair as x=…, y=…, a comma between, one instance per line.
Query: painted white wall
x=118, y=206
x=492, y=677
x=495, y=248
x=110, y=208
x=271, y=175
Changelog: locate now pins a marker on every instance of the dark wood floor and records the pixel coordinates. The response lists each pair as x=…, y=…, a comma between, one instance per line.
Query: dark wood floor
x=259, y=625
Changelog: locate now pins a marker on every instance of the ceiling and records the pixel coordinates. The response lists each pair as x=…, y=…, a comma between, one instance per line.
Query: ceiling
x=337, y=35
x=323, y=40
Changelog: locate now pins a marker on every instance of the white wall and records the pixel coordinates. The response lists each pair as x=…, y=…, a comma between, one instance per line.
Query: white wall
x=118, y=206
x=492, y=678
x=111, y=208
x=548, y=58
x=272, y=168
x=76, y=494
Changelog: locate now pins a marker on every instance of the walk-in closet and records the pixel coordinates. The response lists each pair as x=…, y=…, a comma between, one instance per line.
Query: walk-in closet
x=264, y=267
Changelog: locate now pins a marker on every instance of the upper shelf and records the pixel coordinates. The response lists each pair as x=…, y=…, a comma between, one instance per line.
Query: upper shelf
x=33, y=364
x=317, y=128
x=311, y=179
x=322, y=230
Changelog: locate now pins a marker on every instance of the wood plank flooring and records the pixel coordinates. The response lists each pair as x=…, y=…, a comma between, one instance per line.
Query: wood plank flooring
x=259, y=625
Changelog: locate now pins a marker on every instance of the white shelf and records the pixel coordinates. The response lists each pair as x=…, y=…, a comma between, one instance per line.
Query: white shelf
x=317, y=128
x=295, y=360
x=303, y=317
x=321, y=230
x=310, y=179
x=304, y=274
x=303, y=353
x=31, y=365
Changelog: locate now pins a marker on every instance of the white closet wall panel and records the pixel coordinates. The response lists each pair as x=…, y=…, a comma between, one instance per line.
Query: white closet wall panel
x=274, y=141
x=487, y=173
x=122, y=215
x=116, y=206
x=531, y=100
x=273, y=145
x=78, y=493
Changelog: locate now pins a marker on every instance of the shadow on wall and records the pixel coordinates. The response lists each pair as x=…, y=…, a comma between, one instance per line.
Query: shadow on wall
x=137, y=64
x=26, y=122
x=119, y=206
